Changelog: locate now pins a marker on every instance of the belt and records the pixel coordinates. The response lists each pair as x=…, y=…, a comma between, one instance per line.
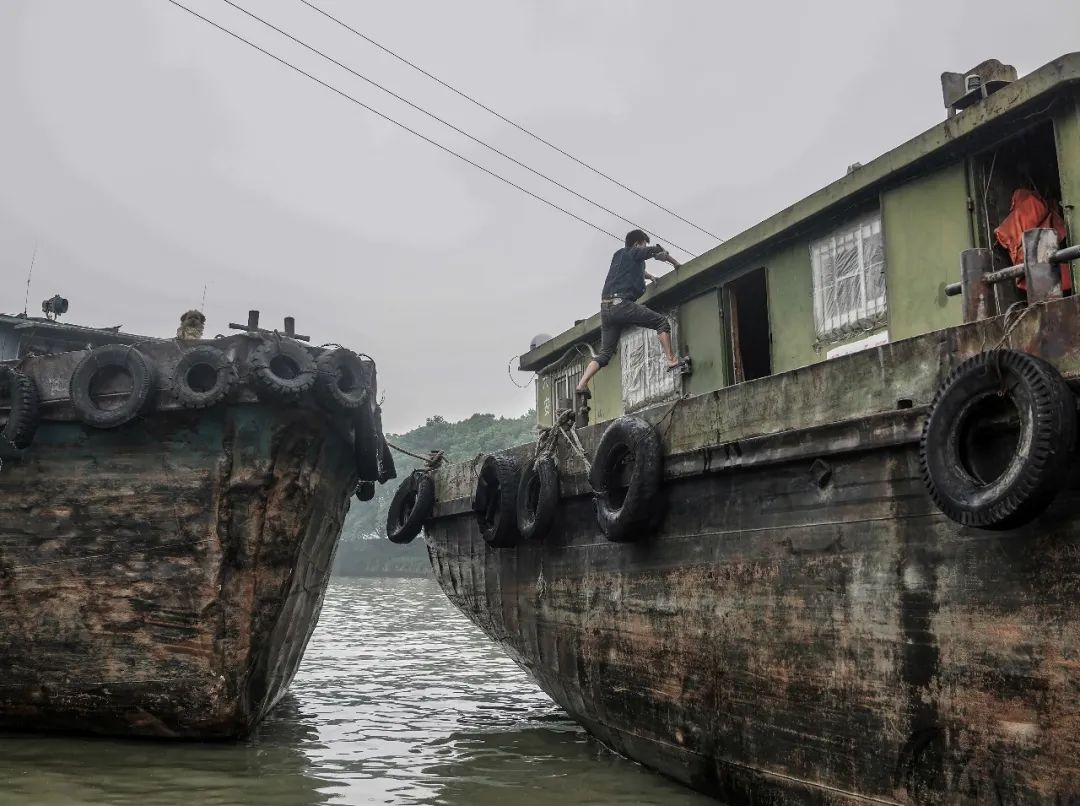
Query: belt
x=613, y=301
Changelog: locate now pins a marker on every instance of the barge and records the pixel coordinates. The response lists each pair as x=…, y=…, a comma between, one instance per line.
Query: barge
x=169, y=513
x=839, y=562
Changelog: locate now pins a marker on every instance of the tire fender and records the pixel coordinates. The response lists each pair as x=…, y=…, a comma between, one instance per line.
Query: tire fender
x=193, y=371
x=22, y=396
x=367, y=444
x=968, y=475
x=124, y=357
x=283, y=369
x=341, y=380
x=411, y=506
x=494, y=501
x=537, y=498
x=626, y=509
x=365, y=490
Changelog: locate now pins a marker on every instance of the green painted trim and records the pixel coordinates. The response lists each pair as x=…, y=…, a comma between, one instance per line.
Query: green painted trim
x=1067, y=133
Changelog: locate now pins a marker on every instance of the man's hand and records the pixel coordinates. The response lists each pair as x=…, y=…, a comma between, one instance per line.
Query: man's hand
x=667, y=258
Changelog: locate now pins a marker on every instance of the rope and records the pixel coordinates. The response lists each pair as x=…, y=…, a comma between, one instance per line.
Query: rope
x=1007, y=326
x=669, y=412
x=510, y=374
x=565, y=427
x=1009, y=322
x=433, y=460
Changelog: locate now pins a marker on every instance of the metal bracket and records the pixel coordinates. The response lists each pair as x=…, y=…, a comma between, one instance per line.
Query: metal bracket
x=252, y=326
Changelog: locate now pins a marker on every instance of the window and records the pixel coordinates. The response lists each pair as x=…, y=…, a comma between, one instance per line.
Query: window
x=563, y=381
x=849, y=279
x=645, y=376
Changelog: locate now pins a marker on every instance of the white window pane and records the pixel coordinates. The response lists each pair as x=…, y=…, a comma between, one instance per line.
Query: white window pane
x=645, y=379
x=849, y=278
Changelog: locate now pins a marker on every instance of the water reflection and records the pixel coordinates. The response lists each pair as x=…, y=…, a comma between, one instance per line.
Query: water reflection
x=399, y=701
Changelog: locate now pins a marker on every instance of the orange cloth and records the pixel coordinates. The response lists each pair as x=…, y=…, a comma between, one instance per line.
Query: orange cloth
x=1030, y=211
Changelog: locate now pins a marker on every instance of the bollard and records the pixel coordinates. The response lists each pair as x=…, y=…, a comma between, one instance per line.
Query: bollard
x=975, y=264
x=1043, y=277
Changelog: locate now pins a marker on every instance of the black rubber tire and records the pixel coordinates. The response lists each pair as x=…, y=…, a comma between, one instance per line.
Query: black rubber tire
x=411, y=506
x=387, y=468
x=283, y=369
x=367, y=446
x=1039, y=464
x=626, y=513
x=537, y=498
x=365, y=490
x=341, y=380
x=209, y=358
x=124, y=357
x=22, y=418
x=494, y=501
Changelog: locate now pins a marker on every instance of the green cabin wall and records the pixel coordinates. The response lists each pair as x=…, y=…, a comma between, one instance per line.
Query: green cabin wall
x=926, y=226
x=606, y=388
x=791, y=307
x=701, y=336
x=1067, y=134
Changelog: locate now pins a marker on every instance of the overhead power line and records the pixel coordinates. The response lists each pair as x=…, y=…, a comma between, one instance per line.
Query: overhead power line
x=400, y=125
x=505, y=119
x=446, y=123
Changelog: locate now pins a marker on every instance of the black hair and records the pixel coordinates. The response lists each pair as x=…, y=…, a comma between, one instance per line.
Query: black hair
x=636, y=236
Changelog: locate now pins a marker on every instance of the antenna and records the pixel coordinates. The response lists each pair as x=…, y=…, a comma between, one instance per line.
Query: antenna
x=29, y=274
x=203, y=306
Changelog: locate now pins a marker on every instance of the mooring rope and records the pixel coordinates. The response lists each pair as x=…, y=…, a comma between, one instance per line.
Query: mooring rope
x=433, y=460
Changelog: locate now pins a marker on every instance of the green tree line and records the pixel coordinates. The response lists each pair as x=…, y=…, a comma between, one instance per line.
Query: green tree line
x=364, y=549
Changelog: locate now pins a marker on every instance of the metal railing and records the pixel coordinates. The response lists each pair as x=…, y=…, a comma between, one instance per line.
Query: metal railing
x=985, y=290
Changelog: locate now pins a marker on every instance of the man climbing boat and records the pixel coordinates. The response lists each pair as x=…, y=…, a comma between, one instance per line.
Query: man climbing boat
x=619, y=309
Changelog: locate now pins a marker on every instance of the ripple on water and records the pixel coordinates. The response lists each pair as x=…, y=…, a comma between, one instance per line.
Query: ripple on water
x=399, y=700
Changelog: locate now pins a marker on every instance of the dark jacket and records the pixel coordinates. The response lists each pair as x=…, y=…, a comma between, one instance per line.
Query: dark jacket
x=626, y=277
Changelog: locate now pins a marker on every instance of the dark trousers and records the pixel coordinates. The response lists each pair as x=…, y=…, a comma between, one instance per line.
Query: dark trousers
x=615, y=318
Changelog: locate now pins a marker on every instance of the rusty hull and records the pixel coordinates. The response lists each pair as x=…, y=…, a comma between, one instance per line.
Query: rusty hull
x=805, y=626
x=163, y=578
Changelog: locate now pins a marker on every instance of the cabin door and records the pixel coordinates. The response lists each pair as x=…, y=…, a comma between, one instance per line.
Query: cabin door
x=746, y=304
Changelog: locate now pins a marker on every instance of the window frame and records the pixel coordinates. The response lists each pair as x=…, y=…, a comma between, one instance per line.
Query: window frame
x=564, y=378
x=869, y=311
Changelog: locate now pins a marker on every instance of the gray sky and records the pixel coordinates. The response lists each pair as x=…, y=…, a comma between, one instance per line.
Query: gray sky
x=149, y=154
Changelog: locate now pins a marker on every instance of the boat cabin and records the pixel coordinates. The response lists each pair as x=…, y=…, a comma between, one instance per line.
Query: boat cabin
x=862, y=262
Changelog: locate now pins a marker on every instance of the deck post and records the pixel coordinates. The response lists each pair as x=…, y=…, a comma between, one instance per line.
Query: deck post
x=1043, y=277
x=975, y=293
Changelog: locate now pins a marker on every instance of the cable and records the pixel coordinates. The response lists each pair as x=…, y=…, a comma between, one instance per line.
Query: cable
x=511, y=374
x=446, y=123
x=389, y=119
x=517, y=126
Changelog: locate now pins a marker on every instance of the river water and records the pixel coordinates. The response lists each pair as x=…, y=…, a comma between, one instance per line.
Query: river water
x=400, y=700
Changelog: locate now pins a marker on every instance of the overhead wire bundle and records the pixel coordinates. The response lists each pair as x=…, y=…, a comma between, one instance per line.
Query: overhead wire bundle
x=473, y=163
